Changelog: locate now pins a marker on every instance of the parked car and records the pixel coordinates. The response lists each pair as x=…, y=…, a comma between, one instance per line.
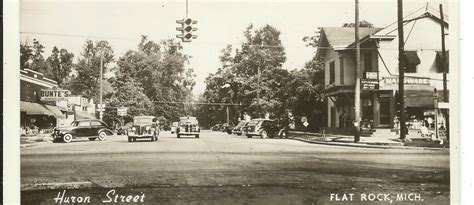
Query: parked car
x=238, y=129
x=174, y=126
x=216, y=127
x=188, y=126
x=143, y=127
x=264, y=128
x=226, y=127
x=92, y=129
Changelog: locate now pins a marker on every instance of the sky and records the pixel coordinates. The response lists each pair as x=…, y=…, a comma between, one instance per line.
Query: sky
x=68, y=24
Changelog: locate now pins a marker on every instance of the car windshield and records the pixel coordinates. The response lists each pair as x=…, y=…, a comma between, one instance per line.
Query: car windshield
x=188, y=121
x=143, y=120
x=74, y=123
x=256, y=122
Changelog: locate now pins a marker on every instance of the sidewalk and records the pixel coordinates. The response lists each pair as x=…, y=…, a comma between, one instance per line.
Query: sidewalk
x=33, y=139
x=383, y=142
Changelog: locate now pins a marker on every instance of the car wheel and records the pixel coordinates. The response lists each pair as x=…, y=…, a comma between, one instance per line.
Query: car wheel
x=249, y=136
x=197, y=136
x=284, y=134
x=134, y=139
x=67, y=138
x=238, y=134
x=264, y=134
x=92, y=138
x=178, y=135
x=152, y=138
x=102, y=136
x=129, y=139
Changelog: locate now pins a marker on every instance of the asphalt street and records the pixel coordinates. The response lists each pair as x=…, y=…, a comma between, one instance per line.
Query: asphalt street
x=218, y=168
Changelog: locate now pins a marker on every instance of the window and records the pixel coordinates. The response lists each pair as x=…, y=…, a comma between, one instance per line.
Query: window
x=412, y=61
x=95, y=123
x=332, y=73
x=341, y=66
x=83, y=123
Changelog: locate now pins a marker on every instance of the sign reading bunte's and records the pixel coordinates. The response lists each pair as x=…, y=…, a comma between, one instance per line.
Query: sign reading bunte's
x=54, y=94
x=406, y=81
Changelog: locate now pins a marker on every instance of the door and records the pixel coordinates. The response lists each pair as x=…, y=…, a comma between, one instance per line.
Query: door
x=83, y=128
x=95, y=126
x=333, y=116
x=384, y=118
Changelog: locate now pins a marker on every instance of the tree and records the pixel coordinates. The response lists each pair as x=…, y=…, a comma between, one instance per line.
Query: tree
x=31, y=56
x=160, y=70
x=236, y=81
x=87, y=80
x=362, y=24
x=59, y=65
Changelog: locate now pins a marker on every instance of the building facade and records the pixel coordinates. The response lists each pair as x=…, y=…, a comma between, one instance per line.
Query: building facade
x=379, y=67
x=37, y=115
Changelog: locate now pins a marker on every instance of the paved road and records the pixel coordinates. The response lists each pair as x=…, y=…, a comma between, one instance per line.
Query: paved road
x=219, y=168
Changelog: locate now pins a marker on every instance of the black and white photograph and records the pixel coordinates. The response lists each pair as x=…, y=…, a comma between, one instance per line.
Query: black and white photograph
x=312, y=102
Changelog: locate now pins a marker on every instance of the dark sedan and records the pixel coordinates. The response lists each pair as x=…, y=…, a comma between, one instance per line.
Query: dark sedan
x=92, y=129
x=264, y=128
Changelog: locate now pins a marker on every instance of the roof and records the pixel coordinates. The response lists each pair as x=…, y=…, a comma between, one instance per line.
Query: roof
x=343, y=37
x=423, y=12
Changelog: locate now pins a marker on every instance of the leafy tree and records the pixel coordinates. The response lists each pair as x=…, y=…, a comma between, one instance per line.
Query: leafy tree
x=59, y=65
x=87, y=80
x=160, y=70
x=31, y=56
x=362, y=24
x=255, y=69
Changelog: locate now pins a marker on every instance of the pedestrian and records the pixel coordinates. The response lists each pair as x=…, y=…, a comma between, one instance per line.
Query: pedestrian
x=430, y=122
x=342, y=119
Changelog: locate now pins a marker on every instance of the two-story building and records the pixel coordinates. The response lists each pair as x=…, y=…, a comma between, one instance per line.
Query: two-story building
x=379, y=68
x=37, y=115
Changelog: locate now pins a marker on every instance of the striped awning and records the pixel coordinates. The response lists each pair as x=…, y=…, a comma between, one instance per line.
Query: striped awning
x=32, y=108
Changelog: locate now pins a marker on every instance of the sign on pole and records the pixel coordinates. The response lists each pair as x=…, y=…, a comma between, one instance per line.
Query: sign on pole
x=122, y=111
x=54, y=94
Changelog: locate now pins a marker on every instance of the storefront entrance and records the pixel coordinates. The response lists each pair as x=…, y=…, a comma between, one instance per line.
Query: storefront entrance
x=384, y=118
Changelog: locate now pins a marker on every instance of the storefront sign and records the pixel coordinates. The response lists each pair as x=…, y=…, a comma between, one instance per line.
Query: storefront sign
x=371, y=75
x=407, y=81
x=369, y=84
x=54, y=95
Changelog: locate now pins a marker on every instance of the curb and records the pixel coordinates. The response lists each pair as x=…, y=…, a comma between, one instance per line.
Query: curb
x=368, y=146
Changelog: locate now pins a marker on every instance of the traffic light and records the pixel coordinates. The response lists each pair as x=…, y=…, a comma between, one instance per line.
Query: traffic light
x=186, y=28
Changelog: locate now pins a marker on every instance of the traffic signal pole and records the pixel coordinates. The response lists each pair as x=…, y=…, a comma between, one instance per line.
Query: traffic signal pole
x=101, y=113
x=401, y=70
x=358, y=76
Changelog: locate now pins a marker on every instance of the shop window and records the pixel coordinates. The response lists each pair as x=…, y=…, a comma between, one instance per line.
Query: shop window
x=332, y=73
x=412, y=61
x=439, y=60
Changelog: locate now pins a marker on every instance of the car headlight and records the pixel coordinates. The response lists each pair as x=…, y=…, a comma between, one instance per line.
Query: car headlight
x=133, y=129
x=147, y=128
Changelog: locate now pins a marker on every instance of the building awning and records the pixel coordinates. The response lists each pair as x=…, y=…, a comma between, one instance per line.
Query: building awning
x=84, y=115
x=439, y=64
x=412, y=58
x=55, y=110
x=422, y=98
x=40, y=109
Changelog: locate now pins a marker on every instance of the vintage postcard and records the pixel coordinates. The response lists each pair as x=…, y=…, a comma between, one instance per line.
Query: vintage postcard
x=237, y=102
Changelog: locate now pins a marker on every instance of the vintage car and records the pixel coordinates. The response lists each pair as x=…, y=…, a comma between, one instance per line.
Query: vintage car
x=238, y=129
x=174, y=126
x=264, y=128
x=143, y=127
x=92, y=129
x=188, y=126
x=216, y=127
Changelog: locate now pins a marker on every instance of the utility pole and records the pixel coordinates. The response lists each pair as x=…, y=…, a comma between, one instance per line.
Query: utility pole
x=445, y=69
x=401, y=69
x=358, y=76
x=101, y=112
x=227, y=112
x=258, y=90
